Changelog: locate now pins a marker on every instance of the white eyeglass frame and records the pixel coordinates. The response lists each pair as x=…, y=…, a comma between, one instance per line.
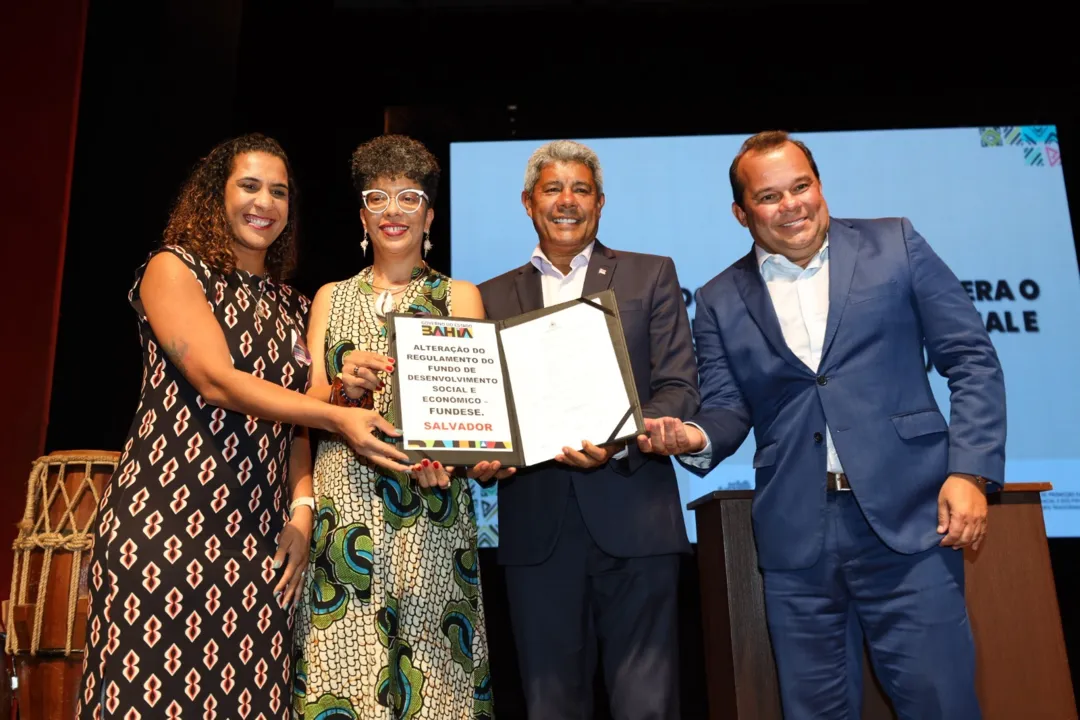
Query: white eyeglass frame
x=364, y=195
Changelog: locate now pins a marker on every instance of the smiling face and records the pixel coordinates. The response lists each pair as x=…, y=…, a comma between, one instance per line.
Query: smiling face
x=565, y=208
x=394, y=231
x=257, y=201
x=785, y=211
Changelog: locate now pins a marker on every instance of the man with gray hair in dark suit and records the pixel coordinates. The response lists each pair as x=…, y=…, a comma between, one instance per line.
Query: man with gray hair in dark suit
x=591, y=540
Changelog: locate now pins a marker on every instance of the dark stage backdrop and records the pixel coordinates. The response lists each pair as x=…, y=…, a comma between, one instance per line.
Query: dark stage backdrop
x=165, y=81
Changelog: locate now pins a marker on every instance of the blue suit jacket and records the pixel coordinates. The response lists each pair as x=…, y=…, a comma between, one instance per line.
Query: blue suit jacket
x=890, y=296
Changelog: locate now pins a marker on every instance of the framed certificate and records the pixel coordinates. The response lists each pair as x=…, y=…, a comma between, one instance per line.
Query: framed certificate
x=515, y=390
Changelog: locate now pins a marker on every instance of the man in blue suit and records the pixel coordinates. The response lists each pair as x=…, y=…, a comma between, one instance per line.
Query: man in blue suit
x=863, y=492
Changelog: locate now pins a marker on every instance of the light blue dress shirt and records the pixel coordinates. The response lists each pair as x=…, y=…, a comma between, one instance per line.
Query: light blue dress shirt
x=800, y=297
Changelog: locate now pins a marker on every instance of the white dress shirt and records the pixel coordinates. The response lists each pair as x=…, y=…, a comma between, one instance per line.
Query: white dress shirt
x=800, y=297
x=561, y=288
x=558, y=287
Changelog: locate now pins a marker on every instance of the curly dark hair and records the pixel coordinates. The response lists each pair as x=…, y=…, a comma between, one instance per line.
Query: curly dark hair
x=395, y=156
x=198, y=221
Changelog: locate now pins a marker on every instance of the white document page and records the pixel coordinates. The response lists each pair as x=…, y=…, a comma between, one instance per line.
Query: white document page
x=451, y=385
x=566, y=382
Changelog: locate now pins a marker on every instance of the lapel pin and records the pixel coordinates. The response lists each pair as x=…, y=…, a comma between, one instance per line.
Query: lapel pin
x=603, y=271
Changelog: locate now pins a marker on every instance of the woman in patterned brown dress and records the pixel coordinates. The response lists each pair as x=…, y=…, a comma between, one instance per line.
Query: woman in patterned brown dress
x=196, y=559
x=393, y=626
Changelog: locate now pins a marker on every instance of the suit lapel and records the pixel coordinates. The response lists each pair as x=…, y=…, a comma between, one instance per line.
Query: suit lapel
x=598, y=276
x=530, y=293
x=600, y=271
x=759, y=305
x=843, y=252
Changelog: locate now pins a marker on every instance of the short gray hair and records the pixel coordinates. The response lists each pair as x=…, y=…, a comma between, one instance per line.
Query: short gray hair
x=566, y=151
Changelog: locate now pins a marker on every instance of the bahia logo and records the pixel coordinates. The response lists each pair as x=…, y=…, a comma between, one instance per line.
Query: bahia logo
x=461, y=331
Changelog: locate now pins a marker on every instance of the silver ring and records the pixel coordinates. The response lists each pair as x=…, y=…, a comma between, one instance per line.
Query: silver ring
x=356, y=370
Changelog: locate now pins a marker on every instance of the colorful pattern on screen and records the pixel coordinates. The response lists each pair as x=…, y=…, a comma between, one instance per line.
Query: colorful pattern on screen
x=1038, y=144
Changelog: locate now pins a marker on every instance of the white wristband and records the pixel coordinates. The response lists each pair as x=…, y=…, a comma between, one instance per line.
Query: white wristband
x=309, y=501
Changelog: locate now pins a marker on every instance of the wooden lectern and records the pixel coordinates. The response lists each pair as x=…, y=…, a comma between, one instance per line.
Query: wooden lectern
x=1022, y=670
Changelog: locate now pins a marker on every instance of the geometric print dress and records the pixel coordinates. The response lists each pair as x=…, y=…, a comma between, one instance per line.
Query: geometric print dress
x=392, y=621
x=183, y=621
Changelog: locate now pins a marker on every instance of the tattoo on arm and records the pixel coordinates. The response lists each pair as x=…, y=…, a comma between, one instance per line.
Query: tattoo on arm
x=177, y=351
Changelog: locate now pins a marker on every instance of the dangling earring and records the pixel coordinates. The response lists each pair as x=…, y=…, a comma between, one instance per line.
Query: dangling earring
x=364, y=243
x=427, y=243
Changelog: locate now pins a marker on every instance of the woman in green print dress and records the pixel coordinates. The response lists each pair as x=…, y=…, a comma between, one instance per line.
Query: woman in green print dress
x=393, y=622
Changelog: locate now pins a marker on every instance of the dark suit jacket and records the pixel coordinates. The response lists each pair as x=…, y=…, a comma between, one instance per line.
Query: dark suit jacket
x=890, y=296
x=631, y=505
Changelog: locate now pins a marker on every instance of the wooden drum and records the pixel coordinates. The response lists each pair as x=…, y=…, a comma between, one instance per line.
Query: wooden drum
x=45, y=616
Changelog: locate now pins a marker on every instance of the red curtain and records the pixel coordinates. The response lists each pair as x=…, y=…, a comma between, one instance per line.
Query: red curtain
x=41, y=51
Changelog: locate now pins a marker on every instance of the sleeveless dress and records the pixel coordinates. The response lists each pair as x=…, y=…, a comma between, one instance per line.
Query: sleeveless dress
x=182, y=619
x=393, y=622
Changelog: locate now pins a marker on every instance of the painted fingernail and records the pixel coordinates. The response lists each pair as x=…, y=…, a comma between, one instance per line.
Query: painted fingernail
x=277, y=564
x=425, y=463
x=437, y=466
x=389, y=368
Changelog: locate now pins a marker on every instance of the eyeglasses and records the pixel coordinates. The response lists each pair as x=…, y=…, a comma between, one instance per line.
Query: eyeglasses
x=377, y=201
